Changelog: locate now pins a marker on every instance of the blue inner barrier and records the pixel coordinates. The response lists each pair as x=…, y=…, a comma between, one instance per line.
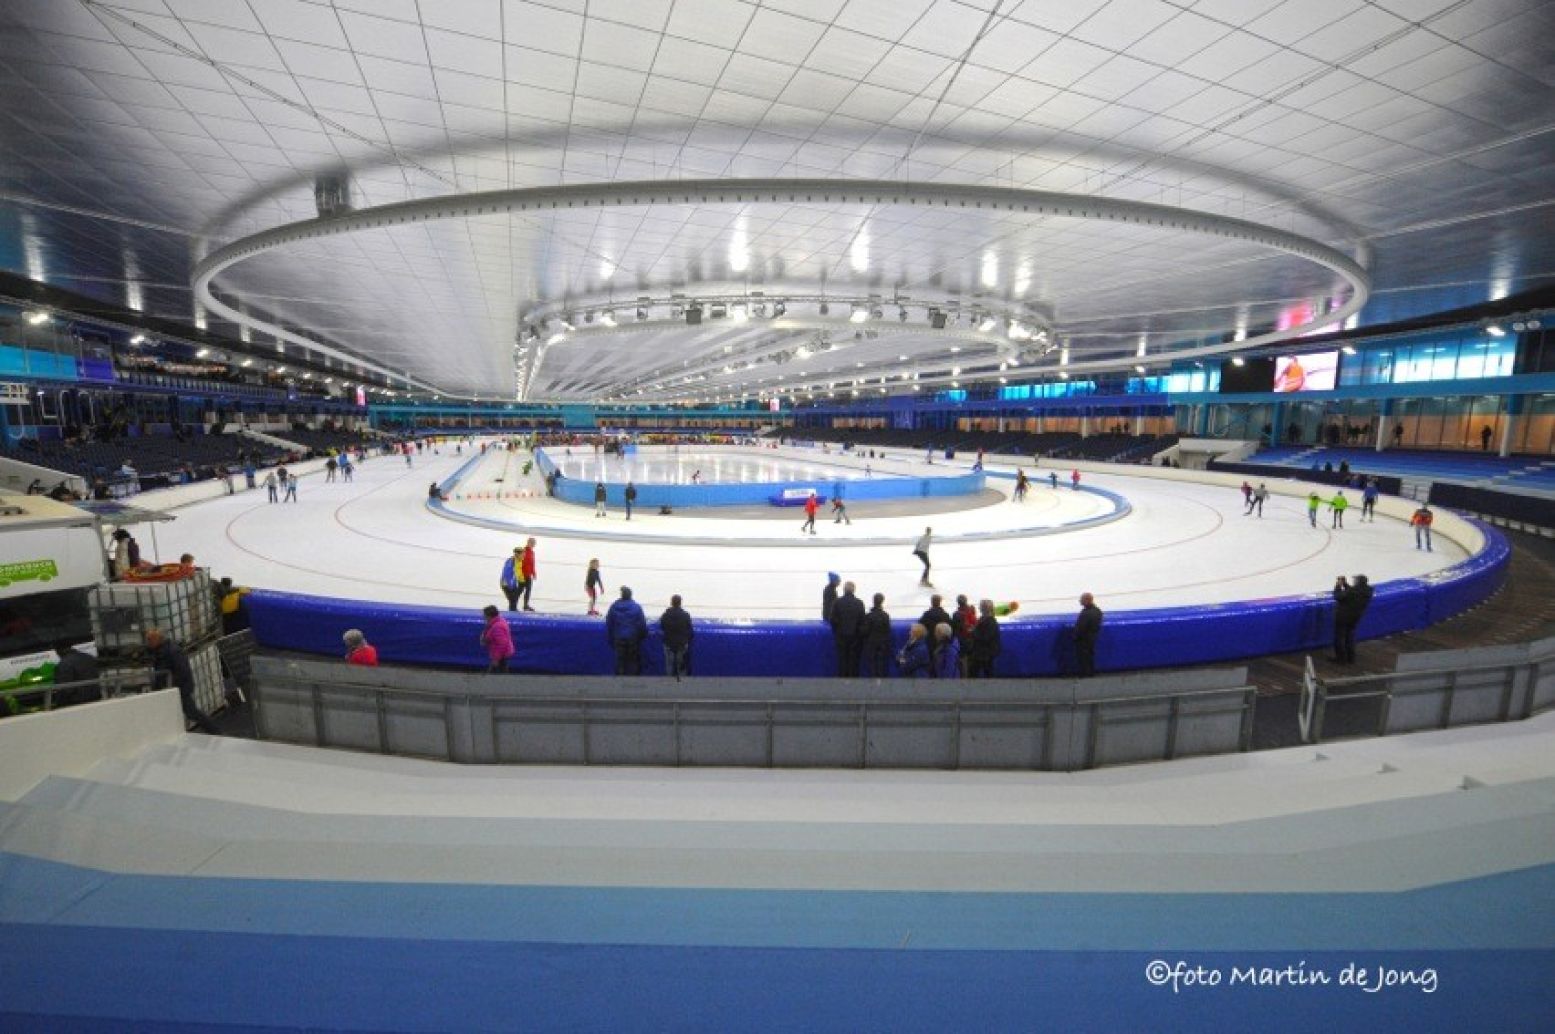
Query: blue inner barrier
x=580, y=491
x=1157, y=638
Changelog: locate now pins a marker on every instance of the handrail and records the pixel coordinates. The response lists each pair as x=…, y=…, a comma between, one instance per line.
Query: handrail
x=1318, y=692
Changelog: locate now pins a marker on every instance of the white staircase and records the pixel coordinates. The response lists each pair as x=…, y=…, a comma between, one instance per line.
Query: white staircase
x=1376, y=815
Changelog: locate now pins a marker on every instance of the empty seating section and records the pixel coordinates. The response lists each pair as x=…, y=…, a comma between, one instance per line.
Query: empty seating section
x=1117, y=448
x=1008, y=443
x=1515, y=473
x=152, y=456
x=323, y=441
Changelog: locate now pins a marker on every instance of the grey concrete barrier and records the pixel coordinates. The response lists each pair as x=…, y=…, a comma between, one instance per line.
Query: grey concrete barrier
x=1050, y=724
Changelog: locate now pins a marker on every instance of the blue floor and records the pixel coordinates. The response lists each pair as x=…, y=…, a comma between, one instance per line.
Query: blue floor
x=166, y=953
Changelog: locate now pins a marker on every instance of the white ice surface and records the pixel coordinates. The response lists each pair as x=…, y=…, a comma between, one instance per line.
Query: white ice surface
x=1182, y=544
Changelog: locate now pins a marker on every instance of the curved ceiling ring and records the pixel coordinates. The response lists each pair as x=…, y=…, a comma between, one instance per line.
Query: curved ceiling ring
x=755, y=191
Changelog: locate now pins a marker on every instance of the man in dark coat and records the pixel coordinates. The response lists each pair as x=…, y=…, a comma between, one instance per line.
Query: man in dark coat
x=165, y=657
x=675, y=627
x=847, y=629
x=74, y=666
x=877, y=638
x=935, y=616
x=631, y=498
x=984, y=642
x=1086, y=628
x=1350, y=603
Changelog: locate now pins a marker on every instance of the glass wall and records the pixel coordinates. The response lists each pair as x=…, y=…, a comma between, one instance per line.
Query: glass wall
x=1448, y=355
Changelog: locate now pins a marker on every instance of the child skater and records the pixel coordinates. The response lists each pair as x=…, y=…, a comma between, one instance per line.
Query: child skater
x=594, y=585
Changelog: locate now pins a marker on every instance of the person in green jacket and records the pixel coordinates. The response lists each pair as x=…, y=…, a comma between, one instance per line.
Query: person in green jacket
x=1337, y=506
x=1313, y=502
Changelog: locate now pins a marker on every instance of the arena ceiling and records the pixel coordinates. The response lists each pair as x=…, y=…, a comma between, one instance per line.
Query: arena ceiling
x=533, y=151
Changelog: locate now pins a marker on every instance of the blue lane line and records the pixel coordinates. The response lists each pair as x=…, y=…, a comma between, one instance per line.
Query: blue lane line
x=1506, y=911
x=159, y=980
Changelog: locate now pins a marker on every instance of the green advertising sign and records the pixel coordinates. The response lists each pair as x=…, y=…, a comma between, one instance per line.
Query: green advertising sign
x=28, y=571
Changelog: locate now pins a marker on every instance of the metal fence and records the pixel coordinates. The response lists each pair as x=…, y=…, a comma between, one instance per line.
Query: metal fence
x=1438, y=690
x=803, y=723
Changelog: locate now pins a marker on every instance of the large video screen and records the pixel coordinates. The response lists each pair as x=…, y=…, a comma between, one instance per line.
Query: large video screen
x=1253, y=375
x=1315, y=371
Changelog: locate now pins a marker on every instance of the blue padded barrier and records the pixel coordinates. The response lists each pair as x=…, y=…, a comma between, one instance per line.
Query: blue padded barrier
x=580, y=491
x=1165, y=637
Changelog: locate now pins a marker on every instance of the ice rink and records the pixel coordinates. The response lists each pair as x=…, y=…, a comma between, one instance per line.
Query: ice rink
x=719, y=465
x=1181, y=544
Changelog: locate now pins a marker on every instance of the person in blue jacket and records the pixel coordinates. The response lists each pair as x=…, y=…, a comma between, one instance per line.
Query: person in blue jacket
x=512, y=581
x=913, y=658
x=625, y=629
x=947, y=653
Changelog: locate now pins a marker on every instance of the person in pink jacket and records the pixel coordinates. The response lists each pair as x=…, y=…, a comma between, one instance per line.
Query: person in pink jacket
x=497, y=638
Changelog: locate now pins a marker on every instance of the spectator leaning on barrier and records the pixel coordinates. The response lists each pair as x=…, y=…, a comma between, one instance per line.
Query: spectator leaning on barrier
x=1350, y=603
x=877, y=638
x=847, y=626
x=625, y=629
x=913, y=659
x=497, y=638
x=359, y=650
x=1087, y=627
x=985, y=646
x=675, y=627
x=947, y=652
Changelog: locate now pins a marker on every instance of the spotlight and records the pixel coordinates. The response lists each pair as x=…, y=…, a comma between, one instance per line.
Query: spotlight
x=1238, y=361
x=859, y=314
x=202, y=353
x=1495, y=330
x=38, y=317
x=1348, y=349
x=137, y=339
x=987, y=324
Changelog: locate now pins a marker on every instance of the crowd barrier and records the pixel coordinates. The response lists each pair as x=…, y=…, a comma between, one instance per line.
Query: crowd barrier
x=789, y=723
x=1035, y=646
x=580, y=491
x=1528, y=510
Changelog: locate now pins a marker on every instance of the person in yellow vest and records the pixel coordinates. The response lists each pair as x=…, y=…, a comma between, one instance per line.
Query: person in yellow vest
x=1337, y=506
x=1313, y=502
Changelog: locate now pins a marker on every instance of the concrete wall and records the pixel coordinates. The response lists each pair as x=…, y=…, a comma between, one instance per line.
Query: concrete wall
x=1058, y=724
x=70, y=741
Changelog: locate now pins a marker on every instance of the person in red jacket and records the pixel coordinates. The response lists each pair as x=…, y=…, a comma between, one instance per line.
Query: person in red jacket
x=528, y=567
x=811, y=505
x=359, y=650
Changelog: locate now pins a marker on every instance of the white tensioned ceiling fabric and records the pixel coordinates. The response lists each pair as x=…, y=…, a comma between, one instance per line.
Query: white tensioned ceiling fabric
x=1413, y=134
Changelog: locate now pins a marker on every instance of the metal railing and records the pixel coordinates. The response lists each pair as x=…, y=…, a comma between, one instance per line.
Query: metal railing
x=1511, y=682
x=501, y=716
x=41, y=696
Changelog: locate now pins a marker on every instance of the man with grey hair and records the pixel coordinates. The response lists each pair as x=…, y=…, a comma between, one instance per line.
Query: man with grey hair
x=359, y=650
x=847, y=627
